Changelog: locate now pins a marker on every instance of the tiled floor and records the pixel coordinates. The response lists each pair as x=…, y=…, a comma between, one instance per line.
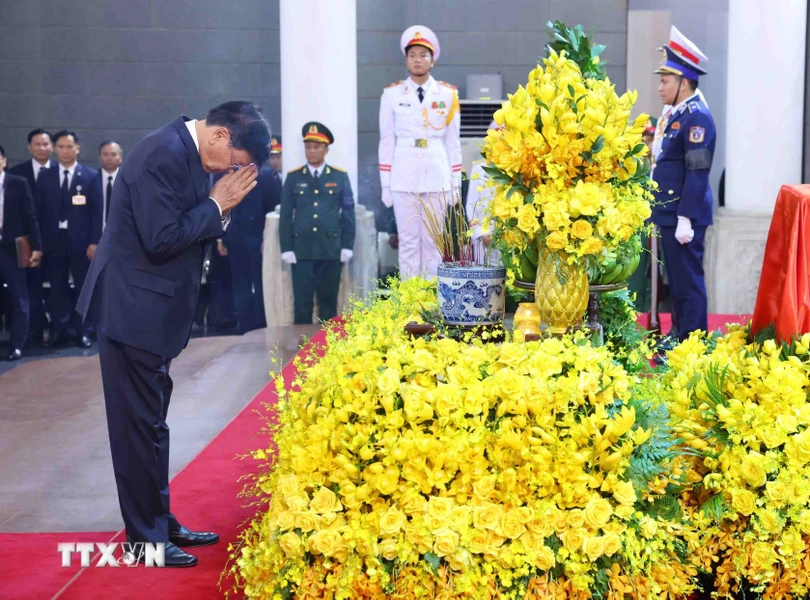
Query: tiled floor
x=55, y=468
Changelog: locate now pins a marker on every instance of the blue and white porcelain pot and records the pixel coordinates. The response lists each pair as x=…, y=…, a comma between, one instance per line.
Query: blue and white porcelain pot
x=472, y=295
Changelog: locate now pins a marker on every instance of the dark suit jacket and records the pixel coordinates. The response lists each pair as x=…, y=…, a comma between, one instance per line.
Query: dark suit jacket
x=80, y=217
x=247, y=219
x=97, y=217
x=143, y=283
x=26, y=169
x=19, y=217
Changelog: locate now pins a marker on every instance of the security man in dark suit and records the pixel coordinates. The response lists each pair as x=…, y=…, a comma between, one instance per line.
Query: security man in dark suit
x=40, y=147
x=71, y=212
x=243, y=247
x=142, y=289
x=17, y=219
x=316, y=229
x=683, y=203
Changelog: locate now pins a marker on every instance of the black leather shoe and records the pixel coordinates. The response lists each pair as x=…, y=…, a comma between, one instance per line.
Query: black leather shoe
x=15, y=354
x=174, y=556
x=84, y=342
x=189, y=539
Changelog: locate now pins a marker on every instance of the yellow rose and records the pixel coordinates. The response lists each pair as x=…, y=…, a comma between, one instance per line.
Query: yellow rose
x=484, y=487
x=769, y=521
x=365, y=547
x=762, y=557
x=325, y=501
x=341, y=552
x=743, y=501
x=624, y=493
x=446, y=542
x=648, y=527
x=592, y=246
x=391, y=521
x=556, y=241
x=804, y=522
x=413, y=503
x=527, y=219
x=306, y=521
x=440, y=508
x=798, y=447
x=288, y=485
x=478, y=541
x=458, y=561
x=545, y=558
x=291, y=544
x=388, y=549
x=613, y=544
x=511, y=525
x=575, y=518
x=324, y=542
x=285, y=520
x=597, y=512
x=753, y=471
x=460, y=518
x=388, y=382
x=554, y=216
x=581, y=229
x=573, y=539
x=421, y=542
x=541, y=527
x=777, y=492
x=594, y=548
x=798, y=494
x=487, y=516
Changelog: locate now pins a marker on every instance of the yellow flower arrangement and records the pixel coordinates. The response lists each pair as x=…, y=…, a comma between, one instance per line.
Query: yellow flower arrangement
x=743, y=409
x=566, y=165
x=436, y=468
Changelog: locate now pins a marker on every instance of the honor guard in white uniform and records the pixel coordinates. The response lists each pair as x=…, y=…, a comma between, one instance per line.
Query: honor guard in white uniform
x=420, y=150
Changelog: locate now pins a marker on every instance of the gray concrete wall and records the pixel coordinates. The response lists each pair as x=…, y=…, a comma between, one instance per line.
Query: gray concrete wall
x=119, y=69
x=476, y=36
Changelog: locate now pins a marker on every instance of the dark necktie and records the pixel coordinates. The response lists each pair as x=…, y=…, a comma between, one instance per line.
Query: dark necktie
x=315, y=175
x=109, y=195
x=421, y=93
x=65, y=194
x=36, y=179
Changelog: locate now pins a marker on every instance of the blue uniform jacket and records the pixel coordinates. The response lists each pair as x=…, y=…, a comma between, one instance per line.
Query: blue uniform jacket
x=80, y=217
x=144, y=280
x=682, y=168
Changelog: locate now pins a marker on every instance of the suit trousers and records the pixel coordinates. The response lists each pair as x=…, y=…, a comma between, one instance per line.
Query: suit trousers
x=36, y=300
x=320, y=278
x=417, y=252
x=246, y=280
x=61, y=304
x=687, y=284
x=18, y=292
x=137, y=391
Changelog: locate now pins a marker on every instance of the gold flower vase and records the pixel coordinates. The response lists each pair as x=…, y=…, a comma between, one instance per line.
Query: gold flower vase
x=560, y=292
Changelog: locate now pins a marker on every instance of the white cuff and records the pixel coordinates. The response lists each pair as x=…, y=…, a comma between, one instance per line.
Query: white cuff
x=219, y=208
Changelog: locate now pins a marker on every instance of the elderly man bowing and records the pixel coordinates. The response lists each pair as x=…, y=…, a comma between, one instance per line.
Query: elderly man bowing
x=141, y=292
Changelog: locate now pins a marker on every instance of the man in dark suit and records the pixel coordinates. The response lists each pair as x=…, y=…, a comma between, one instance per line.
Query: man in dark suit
x=142, y=288
x=71, y=210
x=40, y=147
x=17, y=219
x=110, y=156
x=243, y=248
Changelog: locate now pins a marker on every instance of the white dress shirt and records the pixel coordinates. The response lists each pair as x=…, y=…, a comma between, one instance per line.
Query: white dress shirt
x=192, y=129
x=71, y=171
x=105, y=177
x=315, y=171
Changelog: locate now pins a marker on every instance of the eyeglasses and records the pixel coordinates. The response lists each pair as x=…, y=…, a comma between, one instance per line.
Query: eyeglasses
x=234, y=167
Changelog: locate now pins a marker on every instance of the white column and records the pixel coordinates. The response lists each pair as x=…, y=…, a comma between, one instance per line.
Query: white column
x=319, y=78
x=763, y=129
x=765, y=100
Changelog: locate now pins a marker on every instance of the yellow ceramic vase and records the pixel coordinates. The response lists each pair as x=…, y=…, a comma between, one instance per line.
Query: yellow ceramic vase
x=527, y=319
x=560, y=304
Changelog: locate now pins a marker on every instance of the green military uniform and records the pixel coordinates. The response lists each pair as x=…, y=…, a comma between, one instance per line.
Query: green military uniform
x=317, y=222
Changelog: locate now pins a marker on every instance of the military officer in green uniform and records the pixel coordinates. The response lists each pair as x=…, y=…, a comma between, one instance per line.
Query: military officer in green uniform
x=317, y=226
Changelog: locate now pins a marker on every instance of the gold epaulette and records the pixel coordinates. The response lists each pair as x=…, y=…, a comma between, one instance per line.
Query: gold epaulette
x=480, y=161
x=338, y=169
x=450, y=85
x=393, y=84
x=296, y=169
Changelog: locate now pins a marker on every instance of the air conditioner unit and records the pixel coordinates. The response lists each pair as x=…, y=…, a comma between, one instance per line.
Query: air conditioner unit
x=476, y=115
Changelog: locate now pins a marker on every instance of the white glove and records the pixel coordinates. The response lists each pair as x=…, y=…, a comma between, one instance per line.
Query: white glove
x=386, y=197
x=684, y=232
x=346, y=255
x=288, y=257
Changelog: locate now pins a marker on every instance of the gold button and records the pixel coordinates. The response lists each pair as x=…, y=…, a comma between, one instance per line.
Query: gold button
x=314, y=204
x=302, y=193
x=314, y=229
x=314, y=216
x=330, y=191
x=316, y=191
x=420, y=156
x=671, y=192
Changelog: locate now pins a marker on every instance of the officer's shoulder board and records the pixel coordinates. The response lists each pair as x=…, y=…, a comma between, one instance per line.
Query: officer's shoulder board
x=296, y=169
x=338, y=169
x=694, y=106
x=448, y=85
x=480, y=161
x=390, y=85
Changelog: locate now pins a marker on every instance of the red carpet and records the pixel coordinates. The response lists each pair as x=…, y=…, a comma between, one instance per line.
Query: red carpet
x=204, y=495
x=715, y=321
